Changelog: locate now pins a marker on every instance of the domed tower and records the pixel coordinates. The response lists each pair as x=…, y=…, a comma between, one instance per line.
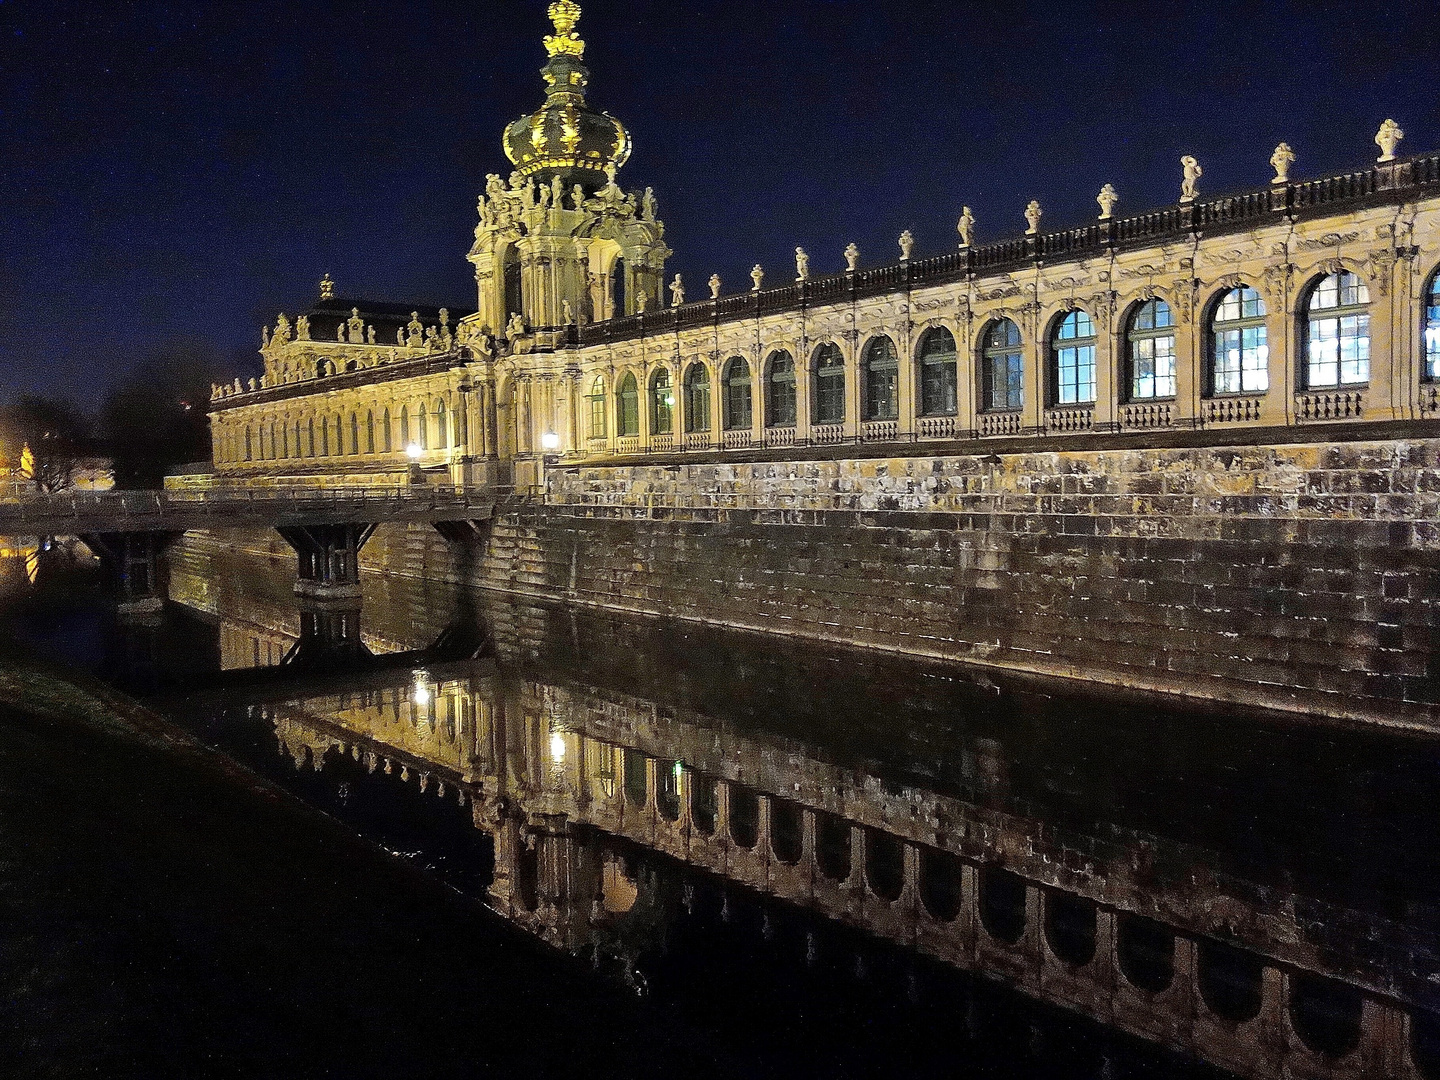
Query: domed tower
x=560, y=240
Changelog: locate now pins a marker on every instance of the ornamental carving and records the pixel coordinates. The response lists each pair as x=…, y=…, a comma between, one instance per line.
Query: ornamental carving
x=1145, y=270
x=1329, y=240
x=1382, y=266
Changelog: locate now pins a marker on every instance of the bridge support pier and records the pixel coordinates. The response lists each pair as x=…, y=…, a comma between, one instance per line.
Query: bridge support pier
x=329, y=558
x=132, y=562
x=329, y=637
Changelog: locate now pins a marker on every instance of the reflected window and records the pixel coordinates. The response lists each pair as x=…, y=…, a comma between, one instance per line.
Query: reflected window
x=1337, y=334
x=1002, y=368
x=937, y=373
x=829, y=365
x=1152, y=352
x=881, y=368
x=1239, y=353
x=780, y=390
x=1072, y=352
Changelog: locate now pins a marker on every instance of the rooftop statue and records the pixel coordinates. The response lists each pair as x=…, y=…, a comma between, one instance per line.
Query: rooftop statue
x=802, y=264
x=1033, y=214
x=1189, y=185
x=1388, y=138
x=907, y=245
x=966, y=227
x=677, y=292
x=1107, y=199
x=757, y=275
x=647, y=205
x=714, y=286
x=302, y=328
x=1280, y=161
x=852, y=258
x=327, y=288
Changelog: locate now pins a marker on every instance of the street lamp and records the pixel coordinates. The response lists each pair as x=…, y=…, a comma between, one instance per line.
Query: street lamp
x=413, y=451
x=550, y=442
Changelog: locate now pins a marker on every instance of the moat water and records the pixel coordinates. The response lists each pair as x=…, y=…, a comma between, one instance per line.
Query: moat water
x=821, y=863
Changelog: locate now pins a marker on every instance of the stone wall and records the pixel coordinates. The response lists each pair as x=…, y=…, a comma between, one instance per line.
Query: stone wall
x=1296, y=576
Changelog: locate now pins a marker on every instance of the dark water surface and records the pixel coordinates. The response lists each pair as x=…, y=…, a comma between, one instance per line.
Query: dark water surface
x=759, y=859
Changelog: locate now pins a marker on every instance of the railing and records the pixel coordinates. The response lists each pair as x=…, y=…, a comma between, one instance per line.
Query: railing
x=1075, y=418
x=780, y=436
x=827, y=434
x=1232, y=410
x=736, y=440
x=879, y=430
x=697, y=440
x=1429, y=399
x=935, y=427
x=1329, y=405
x=627, y=444
x=1000, y=423
x=1152, y=414
x=662, y=443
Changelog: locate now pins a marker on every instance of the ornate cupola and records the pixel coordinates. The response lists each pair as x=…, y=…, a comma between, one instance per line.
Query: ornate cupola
x=560, y=242
x=566, y=137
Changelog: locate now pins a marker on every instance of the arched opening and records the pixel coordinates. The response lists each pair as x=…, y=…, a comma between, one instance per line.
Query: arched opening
x=697, y=398
x=737, y=402
x=310, y=437
x=637, y=783
x=527, y=876
x=1325, y=1014
x=1070, y=928
x=832, y=846
x=248, y=448
x=940, y=884
x=596, y=399
x=880, y=377
x=704, y=804
x=662, y=403
x=667, y=789
x=627, y=407
x=1150, y=336
x=884, y=865
x=422, y=426
x=1002, y=904
x=354, y=434
x=385, y=442
x=1146, y=950
x=1239, y=352
x=619, y=289
x=938, y=358
x=1231, y=981
x=744, y=817
x=780, y=390
x=1072, y=360
x=828, y=365
x=1337, y=332
x=514, y=296
x=404, y=427
x=370, y=432
x=787, y=831
x=1002, y=368
x=442, y=426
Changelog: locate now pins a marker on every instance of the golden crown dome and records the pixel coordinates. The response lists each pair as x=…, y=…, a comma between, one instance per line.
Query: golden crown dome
x=566, y=136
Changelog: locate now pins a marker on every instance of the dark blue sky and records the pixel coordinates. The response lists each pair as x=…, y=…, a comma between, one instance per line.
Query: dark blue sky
x=184, y=171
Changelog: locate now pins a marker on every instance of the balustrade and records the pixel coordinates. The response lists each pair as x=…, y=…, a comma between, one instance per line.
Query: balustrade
x=1149, y=414
x=1000, y=423
x=1232, y=410
x=936, y=427
x=827, y=434
x=1329, y=405
x=780, y=436
x=879, y=430
x=1075, y=418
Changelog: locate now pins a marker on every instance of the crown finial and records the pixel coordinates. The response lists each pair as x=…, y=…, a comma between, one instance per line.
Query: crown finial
x=565, y=41
x=327, y=288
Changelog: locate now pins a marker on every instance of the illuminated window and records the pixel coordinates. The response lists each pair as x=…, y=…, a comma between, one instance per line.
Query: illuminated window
x=937, y=373
x=597, y=408
x=737, y=391
x=1337, y=335
x=1240, y=356
x=881, y=367
x=829, y=365
x=1002, y=368
x=1152, y=352
x=697, y=398
x=1073, y=360
x=662, y=403
x=1432, y=329
x=627, y=407
x=780, y=390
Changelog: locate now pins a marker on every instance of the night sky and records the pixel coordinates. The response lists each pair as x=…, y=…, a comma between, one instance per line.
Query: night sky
x=182, y=172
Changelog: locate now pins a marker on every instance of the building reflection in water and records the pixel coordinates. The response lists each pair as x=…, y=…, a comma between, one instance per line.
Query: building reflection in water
x=624, y=772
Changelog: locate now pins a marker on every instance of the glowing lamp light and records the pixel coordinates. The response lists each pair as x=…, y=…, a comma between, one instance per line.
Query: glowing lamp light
x=557, y=747
x=413, y=451
x=550, y=441
x=421, y=694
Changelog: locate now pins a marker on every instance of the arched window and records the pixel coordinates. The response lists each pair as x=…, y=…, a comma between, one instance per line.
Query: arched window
x=354, y=434
x=597, y=408
x=697, y=398
x=385, y=443
x=780, y=390
x=422, y=427
x=627, y=407
x=247, y=443
x=881, y=373
x=1337, y=332
x=1432, y=328
x=737, y=391
x=619, y=291
x=370, y=432
x=324, y=437
x=937, y=355
x=284, y=438
x=299, y=442
x=1239, y=354
x=1002, y=371
x=829, y=366
x=310, y=437
x=442, y=426
x=1151, y=337
x=404, y=427
x=1072, y=351
x=514, y=300
x=662, y=403
x=339, y=440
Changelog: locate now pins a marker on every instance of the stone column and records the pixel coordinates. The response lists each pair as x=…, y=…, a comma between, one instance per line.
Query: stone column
x=1109, y=381
x=1388, y=396
x=804, y=391
x=853, y=393
x=967, y=376
x=1189, y=362
x=907, y=403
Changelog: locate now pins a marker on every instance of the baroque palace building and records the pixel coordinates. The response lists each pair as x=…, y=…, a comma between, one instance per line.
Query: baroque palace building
x=1298, y=303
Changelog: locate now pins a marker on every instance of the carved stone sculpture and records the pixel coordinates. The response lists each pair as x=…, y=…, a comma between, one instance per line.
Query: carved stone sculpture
x=1280, y=161
x=647, y=205
x=567, y=313
x=557, y=191
x=641, y=299
x=577, y=197
x=677, y=292
x=714, y=286
x=370, y=334
x=1032, y=217
x=357, y=327
x=1107, y=199
x=282, y=331
x=757, y=275
x=907, y=245
x=302, y=328
x=414, y=331
x=1189, y=184
x=1388, y=138
x=545, y=193
x=852, y=258
x=264, y=337
x=516, y=326
x=802, y=264
x=327, y=288
x=966, y=227
x=400, y=337
x=254, y=385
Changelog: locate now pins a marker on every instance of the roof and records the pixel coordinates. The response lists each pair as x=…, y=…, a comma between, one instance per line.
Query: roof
x=386, y=316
